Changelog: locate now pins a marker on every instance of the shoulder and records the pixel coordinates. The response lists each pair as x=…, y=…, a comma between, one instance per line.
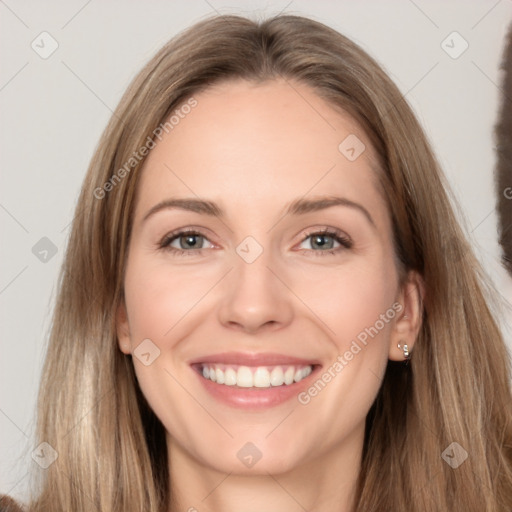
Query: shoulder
x=7, y=504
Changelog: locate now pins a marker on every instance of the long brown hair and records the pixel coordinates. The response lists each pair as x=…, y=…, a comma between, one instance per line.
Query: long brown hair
x=455, y=389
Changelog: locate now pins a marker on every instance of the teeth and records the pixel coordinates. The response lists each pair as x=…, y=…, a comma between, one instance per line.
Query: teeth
x=244, y=377
x=288, y=376
x=302, y=373
x=277, y=376
x=230, y=377
x=261, y=378
x=255, y=377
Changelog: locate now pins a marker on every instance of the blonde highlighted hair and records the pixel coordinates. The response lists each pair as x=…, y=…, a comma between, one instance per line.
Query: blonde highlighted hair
x=111, y=447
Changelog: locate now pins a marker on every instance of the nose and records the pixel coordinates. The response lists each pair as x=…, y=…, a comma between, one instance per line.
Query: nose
x=256, y=296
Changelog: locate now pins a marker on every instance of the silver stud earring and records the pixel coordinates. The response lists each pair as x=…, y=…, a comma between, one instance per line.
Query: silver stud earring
x=405, y=349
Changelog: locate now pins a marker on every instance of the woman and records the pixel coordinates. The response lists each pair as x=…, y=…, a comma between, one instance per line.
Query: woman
x=267, y=302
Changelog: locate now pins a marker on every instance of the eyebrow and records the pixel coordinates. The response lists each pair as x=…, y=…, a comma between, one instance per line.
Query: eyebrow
x=299, y=206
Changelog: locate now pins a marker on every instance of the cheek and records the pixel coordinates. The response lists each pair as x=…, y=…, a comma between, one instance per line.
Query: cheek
x=368, y=297
x=159, y=296
x=357, y=307
x=353, y=299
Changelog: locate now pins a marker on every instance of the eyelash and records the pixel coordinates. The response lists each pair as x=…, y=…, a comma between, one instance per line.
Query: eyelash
x=338, y=236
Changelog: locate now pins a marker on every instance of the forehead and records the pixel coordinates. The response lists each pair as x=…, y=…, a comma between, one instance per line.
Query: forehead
x=261, y=144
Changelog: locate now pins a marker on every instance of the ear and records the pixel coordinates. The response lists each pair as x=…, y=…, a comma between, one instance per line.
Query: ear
x=408, y=321
x=123, y=328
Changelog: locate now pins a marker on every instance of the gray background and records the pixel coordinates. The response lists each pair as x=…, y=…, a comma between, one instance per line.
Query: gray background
x=53, y=111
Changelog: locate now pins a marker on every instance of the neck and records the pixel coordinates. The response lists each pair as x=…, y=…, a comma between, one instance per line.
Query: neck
x=325, y=483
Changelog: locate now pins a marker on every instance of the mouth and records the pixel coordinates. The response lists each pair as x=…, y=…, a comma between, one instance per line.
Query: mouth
x=254, y=381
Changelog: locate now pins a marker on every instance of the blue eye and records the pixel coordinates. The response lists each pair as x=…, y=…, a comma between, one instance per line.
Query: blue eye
x=320, y=239
x=191, y=242
x=188, y=242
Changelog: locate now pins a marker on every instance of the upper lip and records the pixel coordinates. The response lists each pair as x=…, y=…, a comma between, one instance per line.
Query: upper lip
x=253, y=359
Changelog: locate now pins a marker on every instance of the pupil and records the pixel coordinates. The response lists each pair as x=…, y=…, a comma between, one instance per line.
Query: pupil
x=189, y=239
x=320, y=237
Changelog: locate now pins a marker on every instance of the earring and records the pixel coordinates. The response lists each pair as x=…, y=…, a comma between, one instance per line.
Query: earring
x=405, y=349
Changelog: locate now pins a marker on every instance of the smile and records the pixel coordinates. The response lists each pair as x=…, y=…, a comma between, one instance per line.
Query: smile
x=255, y=377
x=254, y=381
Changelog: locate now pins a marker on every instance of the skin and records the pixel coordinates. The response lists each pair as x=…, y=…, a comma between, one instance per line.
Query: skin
x=252, y=149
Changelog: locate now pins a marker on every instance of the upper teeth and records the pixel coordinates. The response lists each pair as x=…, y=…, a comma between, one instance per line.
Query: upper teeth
x=255, y=376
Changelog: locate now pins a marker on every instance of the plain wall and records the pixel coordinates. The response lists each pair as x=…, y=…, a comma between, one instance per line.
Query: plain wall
x=54, y=110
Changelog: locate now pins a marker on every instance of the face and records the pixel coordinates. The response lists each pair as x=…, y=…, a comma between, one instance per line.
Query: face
x=262, y=301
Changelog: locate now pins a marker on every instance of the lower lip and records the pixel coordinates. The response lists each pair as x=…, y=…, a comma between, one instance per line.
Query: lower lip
x=255, y=398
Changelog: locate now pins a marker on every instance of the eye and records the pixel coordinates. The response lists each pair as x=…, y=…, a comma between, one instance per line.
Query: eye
x=324, y=240
x=184, y=241
x=189, y=242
